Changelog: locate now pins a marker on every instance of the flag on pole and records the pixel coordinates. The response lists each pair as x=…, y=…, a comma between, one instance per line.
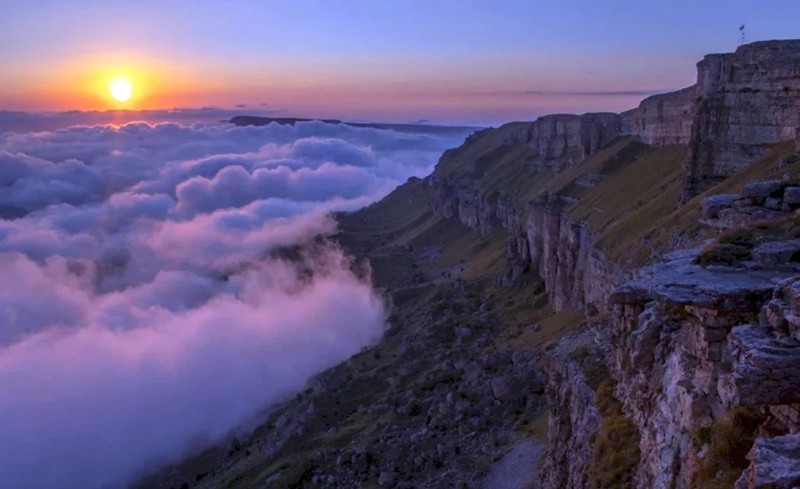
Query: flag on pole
x=741, y=28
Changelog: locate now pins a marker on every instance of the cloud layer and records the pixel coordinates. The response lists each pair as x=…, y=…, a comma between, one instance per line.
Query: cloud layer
x=141, y=311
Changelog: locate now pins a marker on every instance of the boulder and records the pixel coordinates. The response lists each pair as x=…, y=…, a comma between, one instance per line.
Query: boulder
x=712, y=205
x=776, y=252
x=773, y=203
x=507, y=388
x=764, y=368
x=472, y=371
x=775, y=464
x=761, y=189
x=791, y=196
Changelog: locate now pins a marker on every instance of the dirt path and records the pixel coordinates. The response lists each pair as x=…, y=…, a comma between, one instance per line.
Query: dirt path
x=517, y=468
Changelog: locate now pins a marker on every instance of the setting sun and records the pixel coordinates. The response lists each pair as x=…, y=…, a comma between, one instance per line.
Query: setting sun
x=121, y=89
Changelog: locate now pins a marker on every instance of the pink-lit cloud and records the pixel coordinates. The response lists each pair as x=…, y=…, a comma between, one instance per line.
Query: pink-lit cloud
x=141, y=311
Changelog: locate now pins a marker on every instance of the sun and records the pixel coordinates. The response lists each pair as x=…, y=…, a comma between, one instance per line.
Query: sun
x=121, y=89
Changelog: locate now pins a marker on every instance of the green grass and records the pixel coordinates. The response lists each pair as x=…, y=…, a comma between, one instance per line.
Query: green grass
x=659, y=224
x=553, y=326
x=626, y=204
x=615, y=454
x=735, y=245
x=729, y=440
x=482, y=149
x=480, y=257
x=536, y=428
x=615, y=450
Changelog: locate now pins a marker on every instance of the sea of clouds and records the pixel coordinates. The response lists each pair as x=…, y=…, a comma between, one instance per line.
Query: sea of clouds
x=141, y=311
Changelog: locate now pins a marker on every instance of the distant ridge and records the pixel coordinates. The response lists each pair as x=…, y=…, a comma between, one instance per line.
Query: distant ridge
x=249, y=120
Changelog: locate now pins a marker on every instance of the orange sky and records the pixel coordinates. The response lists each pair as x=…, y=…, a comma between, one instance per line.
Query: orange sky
x=456, y=60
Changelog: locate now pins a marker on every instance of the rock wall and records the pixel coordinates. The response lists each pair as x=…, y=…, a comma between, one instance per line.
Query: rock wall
x=562, y=140
x=574, y=418
x=563, y=252
x=690, y=343
x=542, y=238
x=664, y=119
x=741, y=103
x=745, y=101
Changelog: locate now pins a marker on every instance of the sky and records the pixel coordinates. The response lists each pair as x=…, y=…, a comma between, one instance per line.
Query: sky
x=458, y=61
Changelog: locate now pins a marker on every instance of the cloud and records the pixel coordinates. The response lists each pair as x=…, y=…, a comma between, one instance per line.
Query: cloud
x=49, y=121
x=142, y=311
x=151, y=370
x=567, y=93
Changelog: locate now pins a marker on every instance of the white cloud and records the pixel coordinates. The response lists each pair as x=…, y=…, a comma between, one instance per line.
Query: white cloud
x=140, y=310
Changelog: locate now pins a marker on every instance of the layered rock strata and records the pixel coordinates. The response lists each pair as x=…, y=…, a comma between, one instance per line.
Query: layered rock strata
x=675, y=338
x=745, y=101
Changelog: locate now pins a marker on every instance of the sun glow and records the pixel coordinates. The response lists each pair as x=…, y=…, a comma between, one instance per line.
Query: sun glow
x=121, y=89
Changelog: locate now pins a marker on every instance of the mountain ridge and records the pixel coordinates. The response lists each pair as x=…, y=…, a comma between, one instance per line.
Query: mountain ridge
x=600, y=274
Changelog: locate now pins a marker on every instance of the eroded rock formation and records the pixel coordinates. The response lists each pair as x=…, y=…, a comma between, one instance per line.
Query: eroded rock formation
x=745, y=101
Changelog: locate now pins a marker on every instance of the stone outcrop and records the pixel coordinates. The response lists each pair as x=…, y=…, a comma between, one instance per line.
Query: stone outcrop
x=574, y=419
x=745, y=101
x=775, y=464
x=672, y=339
x=760, y=200
x=663, y=119
x=559, y=141
x=542, y=239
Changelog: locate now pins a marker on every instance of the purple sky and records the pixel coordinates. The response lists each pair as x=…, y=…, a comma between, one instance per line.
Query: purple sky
x=450, y=60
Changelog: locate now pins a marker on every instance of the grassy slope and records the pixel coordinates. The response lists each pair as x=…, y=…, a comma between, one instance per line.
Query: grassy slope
x=633, y=209
x=661, y=225
x=414, y=253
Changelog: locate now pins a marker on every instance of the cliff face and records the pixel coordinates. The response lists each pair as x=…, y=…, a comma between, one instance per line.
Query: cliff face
x=563, y=140
x=574, y=418
x=575, y=272
x=686, y=345
x=670, y=335
x=691, y=344
x=745, y=101
x=664, y=119
x=542, y=238
x=741, y=103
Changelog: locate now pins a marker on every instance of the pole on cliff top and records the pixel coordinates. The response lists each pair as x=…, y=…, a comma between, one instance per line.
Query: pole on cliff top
x=743, y=39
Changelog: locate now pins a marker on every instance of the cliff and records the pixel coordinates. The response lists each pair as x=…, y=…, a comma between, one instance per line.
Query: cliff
x=741, y=104
x=663, y=119
x=679, y=346
x=690, y=344
x=561, y=141
x=746, y=100
x=562, y=262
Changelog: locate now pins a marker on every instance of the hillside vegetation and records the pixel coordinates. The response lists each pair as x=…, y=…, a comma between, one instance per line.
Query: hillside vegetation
x=446, y=308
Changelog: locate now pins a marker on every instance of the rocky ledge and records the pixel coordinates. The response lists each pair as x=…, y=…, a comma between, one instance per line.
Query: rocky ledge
x=690, y=343
x=760, y=200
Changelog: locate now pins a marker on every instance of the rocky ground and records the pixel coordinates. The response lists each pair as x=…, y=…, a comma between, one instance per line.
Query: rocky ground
x=446, y=400
x=519, y=314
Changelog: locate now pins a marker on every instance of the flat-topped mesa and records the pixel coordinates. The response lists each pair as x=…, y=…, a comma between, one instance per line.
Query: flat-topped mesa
x=745, y=101
x=559, y=141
